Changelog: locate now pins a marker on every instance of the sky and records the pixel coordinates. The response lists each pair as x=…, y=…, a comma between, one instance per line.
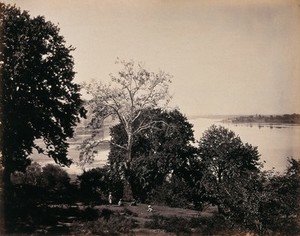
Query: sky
x=226, y=57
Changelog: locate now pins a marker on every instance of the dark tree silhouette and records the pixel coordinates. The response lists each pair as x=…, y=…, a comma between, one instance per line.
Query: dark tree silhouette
x=225, y=158
x=39, y=99
x=157, y=152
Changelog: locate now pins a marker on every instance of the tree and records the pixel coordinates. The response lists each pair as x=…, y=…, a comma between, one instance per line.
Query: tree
x=33, y=174
x=131, y=91
x=244, y=199
x=157, y=152
x=39, y=99
x=100, y=181
x=54, y=177
x=282, y=208
x=225, y=158
x=265, y=201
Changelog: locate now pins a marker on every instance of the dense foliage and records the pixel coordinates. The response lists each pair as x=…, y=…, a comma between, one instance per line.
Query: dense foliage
x=225, y=158
x=157, y=152
x=249, y=198
x=95, y=184
x=51, y=177
x=38, y=98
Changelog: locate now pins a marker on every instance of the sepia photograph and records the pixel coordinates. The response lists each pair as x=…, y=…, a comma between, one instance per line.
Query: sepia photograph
x=153, y=117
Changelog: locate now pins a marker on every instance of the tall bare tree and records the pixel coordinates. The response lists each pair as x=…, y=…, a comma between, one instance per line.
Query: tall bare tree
x=131, y=91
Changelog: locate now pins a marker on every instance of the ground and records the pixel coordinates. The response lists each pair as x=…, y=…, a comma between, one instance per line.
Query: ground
x=140, y=210
x=81, y=219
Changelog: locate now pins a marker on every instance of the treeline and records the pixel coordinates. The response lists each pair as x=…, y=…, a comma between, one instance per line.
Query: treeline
x=282, y=119
x=222, y=171
x=166, y=170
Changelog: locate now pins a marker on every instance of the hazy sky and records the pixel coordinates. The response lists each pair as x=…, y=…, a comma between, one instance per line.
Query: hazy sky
x=227, y=57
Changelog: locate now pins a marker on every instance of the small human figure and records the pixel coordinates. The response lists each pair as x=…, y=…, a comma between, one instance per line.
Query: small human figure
x=120, y=203
x=133, y=203
x=110, y=198
x=150, y=209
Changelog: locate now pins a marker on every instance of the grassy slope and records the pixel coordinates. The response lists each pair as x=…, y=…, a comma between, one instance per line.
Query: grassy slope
x=141, y=215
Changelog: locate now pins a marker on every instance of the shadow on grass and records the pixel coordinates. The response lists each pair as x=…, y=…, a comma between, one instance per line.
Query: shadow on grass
x=34, y=210
x=47, y=219
x=38, y=215
x=215, y=225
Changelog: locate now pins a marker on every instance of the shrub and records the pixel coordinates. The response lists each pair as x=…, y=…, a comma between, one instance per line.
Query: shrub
x=54, y=177
x=95, y=184
x=51, y=177
x=170, y=224
x=216, y=225
x=109, y=223
x=173, y=193
x=39, y=185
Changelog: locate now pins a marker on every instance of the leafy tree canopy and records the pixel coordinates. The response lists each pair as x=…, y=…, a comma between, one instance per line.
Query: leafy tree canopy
x=233, y=180
x=225, y=158
x=39, y=99
x=225, y=155
x=157, y=152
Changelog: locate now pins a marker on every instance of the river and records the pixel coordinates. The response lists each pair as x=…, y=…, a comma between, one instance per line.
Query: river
x=275, y=142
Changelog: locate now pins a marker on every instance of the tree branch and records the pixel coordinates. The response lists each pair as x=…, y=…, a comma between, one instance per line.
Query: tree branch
x=119, y=146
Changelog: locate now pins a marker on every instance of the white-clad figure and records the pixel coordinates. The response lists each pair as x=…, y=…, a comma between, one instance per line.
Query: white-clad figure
x=110, y=198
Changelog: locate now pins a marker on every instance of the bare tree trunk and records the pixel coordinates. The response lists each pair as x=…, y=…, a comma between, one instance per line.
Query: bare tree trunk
x=2, y=218
x=127, y=189
x=5, y=191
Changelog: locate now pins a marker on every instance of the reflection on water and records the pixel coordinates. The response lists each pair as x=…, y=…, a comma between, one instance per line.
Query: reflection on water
x=275, y=142
x=73, y=153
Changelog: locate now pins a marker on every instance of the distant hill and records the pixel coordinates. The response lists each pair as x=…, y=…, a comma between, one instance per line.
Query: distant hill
x=221, y=117
x=269, y=119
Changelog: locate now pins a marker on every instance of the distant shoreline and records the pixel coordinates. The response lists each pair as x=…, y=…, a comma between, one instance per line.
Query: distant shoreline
x=219, y=117
x=286, y=119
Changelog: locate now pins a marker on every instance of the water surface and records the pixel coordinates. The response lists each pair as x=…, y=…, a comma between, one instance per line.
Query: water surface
x=275, y=142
